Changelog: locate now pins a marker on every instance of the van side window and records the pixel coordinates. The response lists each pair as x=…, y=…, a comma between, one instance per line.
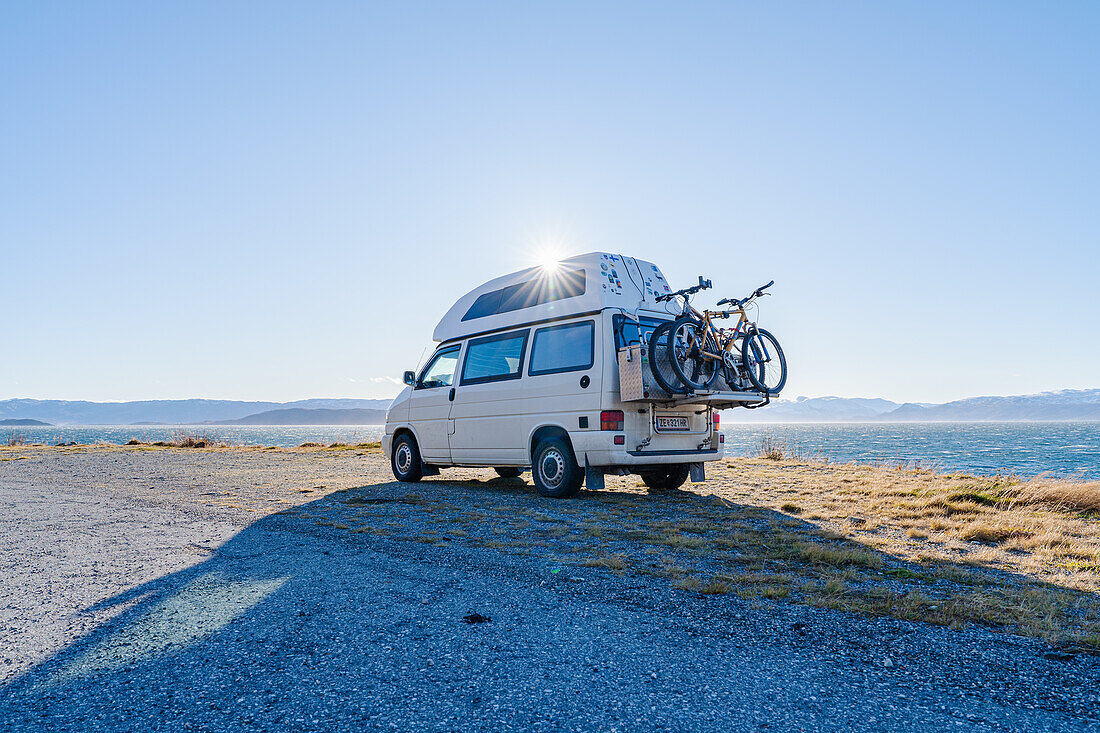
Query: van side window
x=440, y=371
x=566, y=348
x=492, y=358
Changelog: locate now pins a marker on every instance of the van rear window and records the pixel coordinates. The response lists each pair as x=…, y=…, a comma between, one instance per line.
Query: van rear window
x=557, y=285
x=627, y=329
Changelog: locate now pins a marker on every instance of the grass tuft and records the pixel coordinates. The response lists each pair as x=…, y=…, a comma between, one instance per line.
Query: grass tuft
x=772, y=449
x=611, y=562
x=187, y=439
x=838, y=556
x=1067, y=495
x=989, y=534
x=973, y=497
x=688, y=583
x=714, y=587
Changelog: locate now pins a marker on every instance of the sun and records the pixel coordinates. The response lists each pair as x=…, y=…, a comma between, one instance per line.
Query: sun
x=549, y=262
x=548, y=255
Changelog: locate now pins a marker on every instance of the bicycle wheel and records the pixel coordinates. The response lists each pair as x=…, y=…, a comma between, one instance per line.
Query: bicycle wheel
x=658, y=360
x=687, y=341
x=765, y=365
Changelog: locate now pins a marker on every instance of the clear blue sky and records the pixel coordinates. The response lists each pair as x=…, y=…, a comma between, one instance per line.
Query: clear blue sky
x=278, y=201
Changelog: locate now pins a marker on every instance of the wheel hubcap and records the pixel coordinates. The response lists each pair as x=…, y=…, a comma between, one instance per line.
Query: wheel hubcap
x=552, y=467
x=404, y=458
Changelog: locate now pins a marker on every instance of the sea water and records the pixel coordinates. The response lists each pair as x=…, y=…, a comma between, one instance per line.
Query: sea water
x=1069, y=449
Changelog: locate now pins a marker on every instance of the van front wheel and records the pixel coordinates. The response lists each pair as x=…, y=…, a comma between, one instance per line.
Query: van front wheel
x=666, y=478
x=405, y=459
x=555, y=469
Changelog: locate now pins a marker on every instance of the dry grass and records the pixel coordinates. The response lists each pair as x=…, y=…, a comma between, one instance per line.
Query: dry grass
x=820, y=554
x=1065, y=495
x=714, y=587
x=953, y=549
x=186, y=439
x=690, y=583
x=1004, y=523
x=611, y=562
x=772, y=449
x=359, y=448
x=14, y=438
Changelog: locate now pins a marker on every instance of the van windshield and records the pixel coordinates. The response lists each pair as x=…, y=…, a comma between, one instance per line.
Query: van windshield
x=626, y=329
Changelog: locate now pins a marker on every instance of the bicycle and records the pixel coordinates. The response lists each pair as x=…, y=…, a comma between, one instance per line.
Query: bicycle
x=698, y=351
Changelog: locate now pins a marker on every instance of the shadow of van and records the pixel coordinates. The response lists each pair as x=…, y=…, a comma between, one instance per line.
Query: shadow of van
x=346, y=610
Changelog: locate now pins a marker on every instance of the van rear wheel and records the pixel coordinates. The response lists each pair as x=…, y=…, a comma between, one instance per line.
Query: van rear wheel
x=555, y=469
x=665, y=478
x=508, y=471
x=405, y=459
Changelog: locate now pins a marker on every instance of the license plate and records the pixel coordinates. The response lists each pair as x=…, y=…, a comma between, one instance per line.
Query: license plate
x=667, y=423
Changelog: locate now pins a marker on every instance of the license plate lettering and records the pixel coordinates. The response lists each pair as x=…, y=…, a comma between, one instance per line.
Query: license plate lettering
x=665, y=422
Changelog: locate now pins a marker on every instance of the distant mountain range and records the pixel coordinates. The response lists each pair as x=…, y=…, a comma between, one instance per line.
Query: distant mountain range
x=1067, y=404
x=320, y=416
x=197, y=412
x=816, y=409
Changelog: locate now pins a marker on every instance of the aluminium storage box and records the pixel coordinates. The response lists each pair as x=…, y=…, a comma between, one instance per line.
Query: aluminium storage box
x=636, y=380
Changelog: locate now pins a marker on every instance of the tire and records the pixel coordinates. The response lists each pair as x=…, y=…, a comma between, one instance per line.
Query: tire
x=555, y=469
x=665, y=478
x=405, y=459
x=659, y=363
x=765, y=364
x=508, y=471
x=691, y=367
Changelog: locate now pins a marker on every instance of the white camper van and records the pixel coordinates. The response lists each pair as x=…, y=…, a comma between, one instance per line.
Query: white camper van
x=527, y=374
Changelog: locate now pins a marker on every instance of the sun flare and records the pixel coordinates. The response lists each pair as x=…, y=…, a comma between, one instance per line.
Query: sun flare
x=548, y=255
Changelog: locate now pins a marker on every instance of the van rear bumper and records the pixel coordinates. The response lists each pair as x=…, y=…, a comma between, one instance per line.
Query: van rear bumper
x=597, y=447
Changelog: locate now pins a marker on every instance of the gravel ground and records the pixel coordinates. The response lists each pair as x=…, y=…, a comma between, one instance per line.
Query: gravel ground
x=273, y=590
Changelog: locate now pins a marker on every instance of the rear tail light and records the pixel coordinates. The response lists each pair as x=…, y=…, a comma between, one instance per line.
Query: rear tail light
x=620, y=440
x=717, y=420
x=611, y=420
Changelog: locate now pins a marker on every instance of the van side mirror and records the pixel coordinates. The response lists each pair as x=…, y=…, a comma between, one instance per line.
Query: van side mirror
x=410, y=379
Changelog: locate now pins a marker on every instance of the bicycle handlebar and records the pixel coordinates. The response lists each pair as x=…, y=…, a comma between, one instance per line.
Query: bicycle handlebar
x=754, y=294
x=760, y=290
x=703, y=285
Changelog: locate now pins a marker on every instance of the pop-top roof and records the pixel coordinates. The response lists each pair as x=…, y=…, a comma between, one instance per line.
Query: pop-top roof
x=582, y=284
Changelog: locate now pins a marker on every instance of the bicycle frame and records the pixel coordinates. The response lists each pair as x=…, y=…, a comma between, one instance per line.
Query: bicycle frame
x=724, y=339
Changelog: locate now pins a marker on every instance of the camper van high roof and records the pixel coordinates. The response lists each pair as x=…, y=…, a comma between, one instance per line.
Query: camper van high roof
x=577, y=285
